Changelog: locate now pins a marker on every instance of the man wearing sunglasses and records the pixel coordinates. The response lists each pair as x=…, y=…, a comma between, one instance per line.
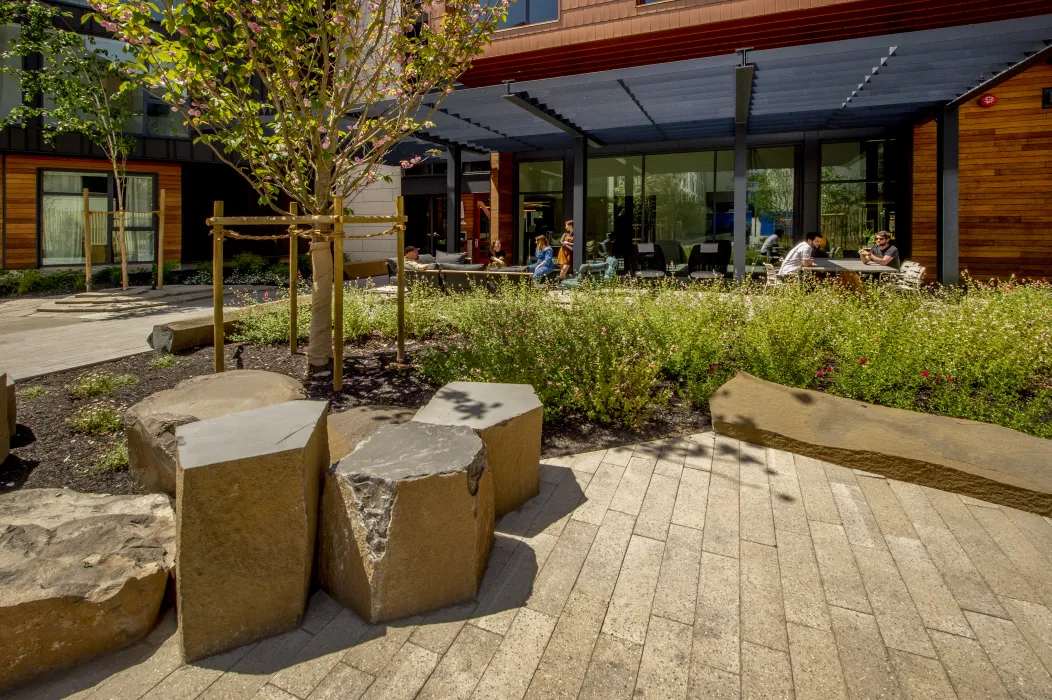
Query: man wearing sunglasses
x=883, y=253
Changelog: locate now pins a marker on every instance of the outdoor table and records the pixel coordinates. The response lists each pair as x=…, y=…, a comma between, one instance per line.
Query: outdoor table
x=849, y=269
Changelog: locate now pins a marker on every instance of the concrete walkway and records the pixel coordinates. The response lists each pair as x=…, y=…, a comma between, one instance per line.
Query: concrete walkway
x=686, y=568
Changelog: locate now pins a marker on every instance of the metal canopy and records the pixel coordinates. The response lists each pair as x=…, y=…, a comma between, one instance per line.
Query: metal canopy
x=873, y=81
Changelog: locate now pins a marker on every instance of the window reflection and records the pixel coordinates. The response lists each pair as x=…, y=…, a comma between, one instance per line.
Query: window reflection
x=857, y=200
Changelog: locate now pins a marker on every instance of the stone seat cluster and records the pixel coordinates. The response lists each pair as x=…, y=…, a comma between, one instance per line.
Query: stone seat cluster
x=391, y=514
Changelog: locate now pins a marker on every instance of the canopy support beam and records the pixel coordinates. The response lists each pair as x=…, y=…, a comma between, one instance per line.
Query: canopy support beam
x=948, y=228
x=541, y=111
x=453, y=190
x=580, y=193
x=743, y=77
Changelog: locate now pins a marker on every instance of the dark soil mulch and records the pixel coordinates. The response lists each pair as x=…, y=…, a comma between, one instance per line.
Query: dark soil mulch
x=46, y=453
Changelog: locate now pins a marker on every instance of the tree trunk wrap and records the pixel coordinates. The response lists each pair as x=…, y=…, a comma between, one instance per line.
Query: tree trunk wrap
x=319, y=348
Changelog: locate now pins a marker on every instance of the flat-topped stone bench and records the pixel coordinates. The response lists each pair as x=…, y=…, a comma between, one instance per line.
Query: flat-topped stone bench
x=407, y=521
x=247, y=493
x=348, y=428
x=984, y=461
x=150, y=424
x=508, y=418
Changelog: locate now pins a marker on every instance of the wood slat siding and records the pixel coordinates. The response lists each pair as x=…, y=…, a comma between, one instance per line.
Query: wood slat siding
x=595, y=35
x=21, y=203
x=501, y=199
x=1005, y=183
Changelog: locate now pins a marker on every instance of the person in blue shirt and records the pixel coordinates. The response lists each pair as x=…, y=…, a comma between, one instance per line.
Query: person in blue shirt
x=544, y=264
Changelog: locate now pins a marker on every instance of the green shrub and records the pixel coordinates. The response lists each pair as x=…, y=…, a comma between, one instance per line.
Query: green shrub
x=247, y=263
x=97, y=419
x=113, y=458
x=32, y=392
x=163, y=362
x=106, y=277
x=98, y=383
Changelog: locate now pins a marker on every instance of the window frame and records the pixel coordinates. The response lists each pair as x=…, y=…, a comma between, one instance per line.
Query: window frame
x=112, y=254
x=558, y=17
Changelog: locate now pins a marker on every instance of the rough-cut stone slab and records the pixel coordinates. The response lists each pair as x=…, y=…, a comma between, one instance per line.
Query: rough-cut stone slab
x=508, y=418
x=407, y=521
x=248, y=486
x=349, y=428
x=7, y=415
x=151, y=423
x=80, y=575
x=985, y=461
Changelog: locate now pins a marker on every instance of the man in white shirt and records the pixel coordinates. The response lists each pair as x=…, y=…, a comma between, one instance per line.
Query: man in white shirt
x=769, y=244
x=800, y=256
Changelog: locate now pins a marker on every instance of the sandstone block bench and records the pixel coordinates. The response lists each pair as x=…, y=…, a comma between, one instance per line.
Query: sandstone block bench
x=150, y=424
x=508, y=418
x=407, y=521
x=247, y=492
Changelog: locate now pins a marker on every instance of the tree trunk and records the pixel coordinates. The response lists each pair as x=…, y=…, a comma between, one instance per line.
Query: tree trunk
x=319, y=348
x=124, y=249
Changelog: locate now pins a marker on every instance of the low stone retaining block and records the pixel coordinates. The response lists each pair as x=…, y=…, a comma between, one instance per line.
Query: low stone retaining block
x=81, y=574
x=407, y=521
x=984, y=461
x=248, y=486
x=508, y=418
x=150, y=424
x=348, y=428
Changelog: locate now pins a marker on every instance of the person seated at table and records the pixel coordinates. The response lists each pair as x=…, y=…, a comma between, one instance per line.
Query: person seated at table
x=498, y=257
x=820, y=250
x=544, y=264
x=608, y=267
x=769, y=249
x=883, y=253
x=800, y=256
x=412, y=261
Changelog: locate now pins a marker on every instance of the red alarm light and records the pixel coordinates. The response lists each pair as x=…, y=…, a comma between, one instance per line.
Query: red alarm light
x=988, y=100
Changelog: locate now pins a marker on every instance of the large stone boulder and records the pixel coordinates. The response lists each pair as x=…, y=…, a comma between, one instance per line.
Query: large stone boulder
x=81, y=574
x=348, y=428
x=407, y=521
x=508, y=418
x=248, y=486
x=151, y=423
x=984, y=461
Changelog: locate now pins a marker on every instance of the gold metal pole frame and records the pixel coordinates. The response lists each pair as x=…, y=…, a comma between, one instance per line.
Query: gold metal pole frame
x=217, y=287
x=87, y=242
x=400, y=255
x=160, y=242
x=294, y=262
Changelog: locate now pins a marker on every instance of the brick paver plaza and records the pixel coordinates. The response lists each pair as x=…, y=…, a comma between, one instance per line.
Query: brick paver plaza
x=698, y=568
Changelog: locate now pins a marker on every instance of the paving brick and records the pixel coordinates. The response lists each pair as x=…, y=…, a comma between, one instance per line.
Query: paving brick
x=598, y=494
x=375, y=649
x=930, y=595
x=814, y=487
x=513, y=664
x=618, y=456
x=867, y=670
x=859, y=523
x=268, y=657
x=900, y=624
x=463, y=665
x=343, y=683
x=628, y=498
x=756, y=518
x=970, y=671
x=664, y=668
x=1018, y=548
x=691, y=499
x=436, y=630
x=840, y=578
x=321, y=609
x=270, y=692
x=1016, y=663
x=655, y=514
x=191, y=680
x=707, y=683
x=717, y=632
x=890, y=517
x=766, y=673
x=588, y=462
x=552, y=518
x=511, y=588
x=1035, y=623
x=603, y=565
x=1036, y=528
x=787, y=502
x=135, y=681
x=968, y=586
x=921, y=678
x=673, y=455
x=802, y=593
x=721, y=513
x=816, y=666
x=404, y=676
x=699, y=453
x=677, y=586
x=762, y=611
x=565, y=660
x=629, y=611
x=557, y=578
x=612, y=671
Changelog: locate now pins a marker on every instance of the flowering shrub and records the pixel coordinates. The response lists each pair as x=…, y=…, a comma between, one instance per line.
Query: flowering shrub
x=614, y=353
x=97, y=419
x=98, y=383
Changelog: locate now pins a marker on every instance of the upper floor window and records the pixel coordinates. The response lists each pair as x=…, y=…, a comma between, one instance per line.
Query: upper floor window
x=523, y=12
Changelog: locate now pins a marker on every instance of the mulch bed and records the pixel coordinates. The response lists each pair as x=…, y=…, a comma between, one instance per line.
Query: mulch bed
x=46, y=453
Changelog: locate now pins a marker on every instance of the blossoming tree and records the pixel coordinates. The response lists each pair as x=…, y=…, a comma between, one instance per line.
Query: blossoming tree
x=304, y=97
x=76, y=85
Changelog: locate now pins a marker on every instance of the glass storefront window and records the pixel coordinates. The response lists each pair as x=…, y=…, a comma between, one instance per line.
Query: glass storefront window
x=615, y=212
x=771, y=199
x=540, y=204
x=857, y=198
x=678, y=194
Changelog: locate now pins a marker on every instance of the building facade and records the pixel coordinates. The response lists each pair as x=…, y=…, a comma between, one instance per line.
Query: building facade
x=661, y=122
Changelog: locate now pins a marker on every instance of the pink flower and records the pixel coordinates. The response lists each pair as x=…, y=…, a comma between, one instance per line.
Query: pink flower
x=821, y=373
x=925, y=373
x=255, y=27
x=862, y=360
x=183, y=31
x=604, y=331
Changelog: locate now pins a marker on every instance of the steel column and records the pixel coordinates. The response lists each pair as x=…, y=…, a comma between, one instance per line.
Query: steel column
x=741, y=201
x=580, y=201
x=812, y=179
x=947, y=231
x=453, y=190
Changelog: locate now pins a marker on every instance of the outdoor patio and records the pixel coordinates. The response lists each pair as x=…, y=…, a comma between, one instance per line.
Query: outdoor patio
x=699, y=568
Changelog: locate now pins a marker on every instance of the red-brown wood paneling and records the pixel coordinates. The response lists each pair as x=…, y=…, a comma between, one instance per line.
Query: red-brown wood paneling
x=21, y=202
